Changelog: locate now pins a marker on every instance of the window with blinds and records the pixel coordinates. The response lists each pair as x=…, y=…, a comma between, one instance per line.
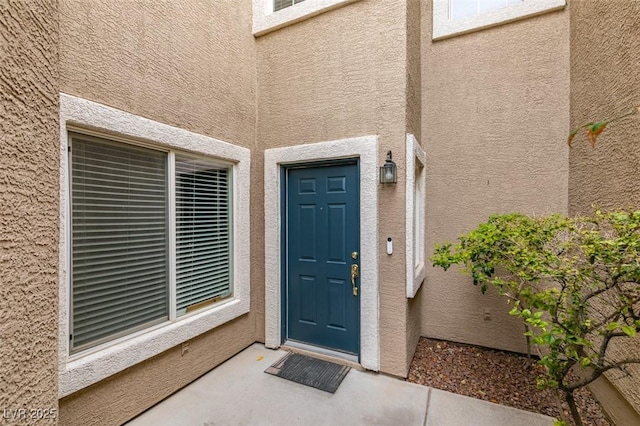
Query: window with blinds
x=281, y=4
x=122, y=237
x=203, y=239
x=119, y=239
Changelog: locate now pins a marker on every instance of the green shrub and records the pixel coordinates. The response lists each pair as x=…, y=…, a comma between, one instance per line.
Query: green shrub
x=575, y=282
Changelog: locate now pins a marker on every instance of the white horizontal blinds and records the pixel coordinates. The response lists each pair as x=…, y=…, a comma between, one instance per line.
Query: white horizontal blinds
x=203, y=239
x=470, y=8
x=281, y=4
x=119, y=239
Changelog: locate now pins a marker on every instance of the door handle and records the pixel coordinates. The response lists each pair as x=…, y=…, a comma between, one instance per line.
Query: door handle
x=354, y=275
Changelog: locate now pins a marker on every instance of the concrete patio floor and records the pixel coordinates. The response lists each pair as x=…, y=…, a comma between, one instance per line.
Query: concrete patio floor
x=238, y=392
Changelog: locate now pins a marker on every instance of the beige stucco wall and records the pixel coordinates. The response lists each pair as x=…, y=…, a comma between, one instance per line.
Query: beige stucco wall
x=605, y=82
x=190, y=65
x=29, y=215
x=324, y=79
x=495, y=113
x=414, y=22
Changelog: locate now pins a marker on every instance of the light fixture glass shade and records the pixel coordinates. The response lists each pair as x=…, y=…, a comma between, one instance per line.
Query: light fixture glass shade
x=388, y=172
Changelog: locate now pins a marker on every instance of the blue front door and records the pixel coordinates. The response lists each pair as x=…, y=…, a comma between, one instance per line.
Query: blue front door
x=323, y=246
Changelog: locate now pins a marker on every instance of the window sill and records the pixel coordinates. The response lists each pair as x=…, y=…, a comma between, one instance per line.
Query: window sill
x=443, y=27
x=265, y=20
x=92, y=366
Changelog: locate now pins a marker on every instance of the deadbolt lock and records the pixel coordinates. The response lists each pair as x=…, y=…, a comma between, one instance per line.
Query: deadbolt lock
x=354, y=255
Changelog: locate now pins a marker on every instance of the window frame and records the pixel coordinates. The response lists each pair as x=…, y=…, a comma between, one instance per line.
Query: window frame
x=445, y=27
x=265, y=19
x=173, y=212
x=171, y=229
x=81, y=369
x=293, y=3
x=415, y=238
x=71, y=136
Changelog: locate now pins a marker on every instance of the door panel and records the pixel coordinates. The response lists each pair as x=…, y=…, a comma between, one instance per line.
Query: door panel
x=306, y=235
x=337, y=233
x=322, y=214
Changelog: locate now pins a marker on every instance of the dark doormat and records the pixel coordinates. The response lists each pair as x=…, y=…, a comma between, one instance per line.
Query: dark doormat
x=319, y=374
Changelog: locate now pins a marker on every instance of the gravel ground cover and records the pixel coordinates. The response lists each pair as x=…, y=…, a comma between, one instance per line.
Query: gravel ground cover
x=492, y=375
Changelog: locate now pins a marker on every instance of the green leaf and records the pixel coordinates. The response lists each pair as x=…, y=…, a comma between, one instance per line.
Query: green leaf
x=572, y=135
x=598, y=126
x=612, y=326
x=594, y=129
x=629, y=330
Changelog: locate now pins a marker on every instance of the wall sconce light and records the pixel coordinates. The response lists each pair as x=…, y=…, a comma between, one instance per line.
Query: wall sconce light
x=388, y=172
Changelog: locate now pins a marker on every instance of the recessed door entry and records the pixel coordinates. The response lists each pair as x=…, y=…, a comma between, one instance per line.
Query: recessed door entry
x=322, y=285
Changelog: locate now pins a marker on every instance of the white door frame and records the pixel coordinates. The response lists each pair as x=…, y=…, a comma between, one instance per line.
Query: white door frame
x=366, y=149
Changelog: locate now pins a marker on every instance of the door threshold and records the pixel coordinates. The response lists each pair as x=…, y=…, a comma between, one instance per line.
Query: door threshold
x=322, y=353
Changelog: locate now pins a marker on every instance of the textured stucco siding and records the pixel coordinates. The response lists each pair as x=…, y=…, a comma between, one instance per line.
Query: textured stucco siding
x=189, y=65
x=186, y=64
x=495, y=113
x=605, y=82
x=29, y=214
x=325, y=79
x=414, y=21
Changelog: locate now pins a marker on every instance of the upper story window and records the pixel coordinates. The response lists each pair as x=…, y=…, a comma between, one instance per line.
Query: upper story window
x=468, y=8
x=270, y=15
x=454, y=17
x=281, y=4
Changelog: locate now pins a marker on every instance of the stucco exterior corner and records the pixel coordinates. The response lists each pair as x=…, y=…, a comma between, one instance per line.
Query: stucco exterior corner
x=272, y=244
x=29, y=159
